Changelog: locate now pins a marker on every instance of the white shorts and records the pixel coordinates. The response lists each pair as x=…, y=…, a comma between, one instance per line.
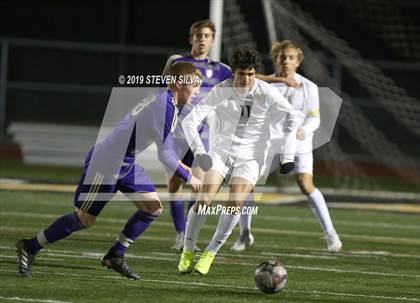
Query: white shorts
x=303, y=164
x=245, y=169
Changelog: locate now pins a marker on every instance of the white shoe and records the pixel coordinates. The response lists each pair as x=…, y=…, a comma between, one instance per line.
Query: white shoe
x=333, y=242
x=179, y=241
x=243, y=241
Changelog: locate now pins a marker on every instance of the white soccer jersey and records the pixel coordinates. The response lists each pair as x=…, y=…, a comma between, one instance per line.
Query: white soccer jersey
x=243, y=121
x=305, y=99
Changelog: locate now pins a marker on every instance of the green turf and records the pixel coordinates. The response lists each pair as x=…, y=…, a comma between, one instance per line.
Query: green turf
x=380, y=262
x=13, y=168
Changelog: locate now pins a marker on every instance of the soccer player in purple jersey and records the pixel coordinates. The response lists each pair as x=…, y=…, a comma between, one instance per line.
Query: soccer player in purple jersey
x=201, y=38
x=151, y=121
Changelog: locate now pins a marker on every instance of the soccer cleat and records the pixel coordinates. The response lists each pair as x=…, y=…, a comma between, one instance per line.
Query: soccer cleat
x=185, y=264
x=243, y=241
x=179, y=242
x=333, y=242
x=119, y=265
x=203, y=265
x=24, y=259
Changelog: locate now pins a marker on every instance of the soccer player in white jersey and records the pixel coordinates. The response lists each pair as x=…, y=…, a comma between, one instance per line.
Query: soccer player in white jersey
x=287, y=57
x=244, y=107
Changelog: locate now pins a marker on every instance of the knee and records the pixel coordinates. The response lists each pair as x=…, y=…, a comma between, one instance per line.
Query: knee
x=87, y=219
x=151, y=207
x=201, y=204
x=305, y=184
x=157, y=211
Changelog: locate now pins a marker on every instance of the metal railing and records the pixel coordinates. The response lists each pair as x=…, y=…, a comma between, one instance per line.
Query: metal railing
x=119, y=49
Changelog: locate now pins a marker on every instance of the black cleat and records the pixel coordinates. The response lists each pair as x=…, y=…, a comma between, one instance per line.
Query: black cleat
x=120, y=266
x=24, y=259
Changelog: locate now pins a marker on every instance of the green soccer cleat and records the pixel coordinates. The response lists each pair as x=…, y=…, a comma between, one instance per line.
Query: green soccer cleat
x=185, y=265
x=203, y=265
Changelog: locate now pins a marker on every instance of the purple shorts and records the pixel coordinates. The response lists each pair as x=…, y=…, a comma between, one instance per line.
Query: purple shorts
x=92, y=198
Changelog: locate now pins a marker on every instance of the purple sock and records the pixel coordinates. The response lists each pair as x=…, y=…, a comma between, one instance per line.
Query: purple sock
x=61, y=228
x=178, y=215
x=190, y=204
x=33, y=245
x=134, y=227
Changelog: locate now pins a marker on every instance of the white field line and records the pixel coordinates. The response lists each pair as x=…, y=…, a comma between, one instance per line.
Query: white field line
x=381, y=239
x=215, y=286
x=31, y=300
x=340, y=222
x=313, y=250
x=339, y=294
x=262, y=255
x=259, y=217
x=231, y=261
x=40, y=258
x=395, y=240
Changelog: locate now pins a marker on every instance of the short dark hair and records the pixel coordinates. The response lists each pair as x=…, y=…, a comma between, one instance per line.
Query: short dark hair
x=244, y=58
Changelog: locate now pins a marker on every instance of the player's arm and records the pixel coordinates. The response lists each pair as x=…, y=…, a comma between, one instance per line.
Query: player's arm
x=167, y=156
x=197, y=115
x=312, y=119
x=164, y=141
x=275, y=79
x=287, y=153
x=193, y=120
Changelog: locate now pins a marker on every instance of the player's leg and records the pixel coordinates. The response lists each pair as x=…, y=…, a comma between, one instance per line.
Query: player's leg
x=87, y=208
x=239, y=190
x=195, y=221
x=149, y=209
x=304, y=179
x=244, y=176
x=175, y=187
x=199, y=173
x=138, y=187
x=245, y=237
x=177, y=210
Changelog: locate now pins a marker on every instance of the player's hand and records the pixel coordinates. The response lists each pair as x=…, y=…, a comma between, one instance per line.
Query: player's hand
x=185, y=166
x=195, y=183
x=300, y=134
x=287, y=167
x=204, y=161
x=292, y=82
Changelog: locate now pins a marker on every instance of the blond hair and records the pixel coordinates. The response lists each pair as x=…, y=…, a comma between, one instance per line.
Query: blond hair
x=279, y=47
x=180, y=70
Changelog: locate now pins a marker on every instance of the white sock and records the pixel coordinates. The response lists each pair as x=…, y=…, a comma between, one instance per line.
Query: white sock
x=319, y=207
x=245, y=219
x=193, y=227
x=223, y=231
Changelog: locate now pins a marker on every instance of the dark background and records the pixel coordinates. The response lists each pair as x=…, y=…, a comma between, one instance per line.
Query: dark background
x=65, y=56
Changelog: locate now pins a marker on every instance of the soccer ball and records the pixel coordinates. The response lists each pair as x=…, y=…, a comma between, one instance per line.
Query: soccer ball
x=270, y=276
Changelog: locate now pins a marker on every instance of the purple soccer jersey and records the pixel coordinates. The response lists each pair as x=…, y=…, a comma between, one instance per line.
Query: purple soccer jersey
x=151, y=121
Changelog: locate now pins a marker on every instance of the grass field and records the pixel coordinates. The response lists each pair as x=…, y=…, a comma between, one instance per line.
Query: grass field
x=380, y=261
